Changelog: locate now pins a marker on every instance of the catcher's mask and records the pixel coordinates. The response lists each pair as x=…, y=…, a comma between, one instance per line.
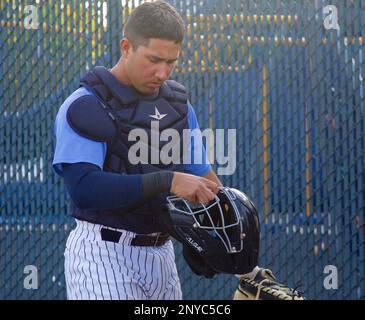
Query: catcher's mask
x=225, y=233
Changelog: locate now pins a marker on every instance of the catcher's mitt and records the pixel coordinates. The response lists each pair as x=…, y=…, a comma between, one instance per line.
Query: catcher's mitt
x=262, y=286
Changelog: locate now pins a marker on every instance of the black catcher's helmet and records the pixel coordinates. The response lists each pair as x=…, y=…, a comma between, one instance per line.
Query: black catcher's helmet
x=224, y=234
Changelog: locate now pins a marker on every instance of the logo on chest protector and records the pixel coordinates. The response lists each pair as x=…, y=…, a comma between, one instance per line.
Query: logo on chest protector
x=158, y=116
x=194, y=244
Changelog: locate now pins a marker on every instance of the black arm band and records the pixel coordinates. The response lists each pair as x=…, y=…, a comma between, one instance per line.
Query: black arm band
x=156, y=182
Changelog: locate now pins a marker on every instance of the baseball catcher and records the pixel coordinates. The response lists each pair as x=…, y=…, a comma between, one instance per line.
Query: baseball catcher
x=223, y=237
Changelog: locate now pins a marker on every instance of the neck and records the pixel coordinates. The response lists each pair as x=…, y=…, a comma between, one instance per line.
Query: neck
x=119, y=72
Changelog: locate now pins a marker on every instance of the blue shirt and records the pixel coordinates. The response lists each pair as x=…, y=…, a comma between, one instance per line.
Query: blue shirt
x=73, y=148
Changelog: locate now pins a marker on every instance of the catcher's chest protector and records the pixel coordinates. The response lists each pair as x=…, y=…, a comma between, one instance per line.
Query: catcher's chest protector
x=111, y=113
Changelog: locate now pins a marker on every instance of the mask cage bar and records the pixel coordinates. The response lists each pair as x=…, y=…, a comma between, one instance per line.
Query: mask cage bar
x=227, y=242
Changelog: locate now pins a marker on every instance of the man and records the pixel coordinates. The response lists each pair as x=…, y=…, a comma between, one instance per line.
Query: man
x=118, y=249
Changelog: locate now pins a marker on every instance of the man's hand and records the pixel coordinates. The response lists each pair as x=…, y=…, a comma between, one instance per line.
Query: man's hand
x=193, y=188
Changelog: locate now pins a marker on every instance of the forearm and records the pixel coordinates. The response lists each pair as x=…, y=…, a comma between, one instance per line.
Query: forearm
x=91, y=188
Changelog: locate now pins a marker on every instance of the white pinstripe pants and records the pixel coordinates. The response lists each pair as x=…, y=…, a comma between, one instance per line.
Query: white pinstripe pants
x=102, y=270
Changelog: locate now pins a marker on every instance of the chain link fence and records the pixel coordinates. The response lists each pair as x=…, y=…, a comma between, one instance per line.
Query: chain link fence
x=287, y=75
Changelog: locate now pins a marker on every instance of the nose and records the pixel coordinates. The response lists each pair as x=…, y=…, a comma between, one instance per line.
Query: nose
x=162, y=72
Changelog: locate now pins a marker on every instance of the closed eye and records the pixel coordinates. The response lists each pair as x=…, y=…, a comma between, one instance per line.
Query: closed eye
x=154, y=60
x=157, y=60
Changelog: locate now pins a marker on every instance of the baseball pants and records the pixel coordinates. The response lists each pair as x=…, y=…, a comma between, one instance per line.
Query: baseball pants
x=101, y=270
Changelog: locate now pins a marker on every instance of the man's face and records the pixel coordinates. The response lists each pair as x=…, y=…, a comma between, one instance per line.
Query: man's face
x=149, y=66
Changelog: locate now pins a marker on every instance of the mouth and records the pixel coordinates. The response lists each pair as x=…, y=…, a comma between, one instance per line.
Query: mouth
x=154, y=85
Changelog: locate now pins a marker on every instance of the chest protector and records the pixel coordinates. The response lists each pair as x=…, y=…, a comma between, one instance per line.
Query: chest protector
x=114, y=111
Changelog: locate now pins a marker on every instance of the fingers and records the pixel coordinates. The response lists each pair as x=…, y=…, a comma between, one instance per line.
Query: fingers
x=202, y=195
x=213, y=187
x=193, y=188
x=205, y=196
x=206, y=191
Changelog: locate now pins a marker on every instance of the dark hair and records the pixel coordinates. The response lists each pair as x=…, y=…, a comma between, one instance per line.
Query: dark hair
x=154, y=20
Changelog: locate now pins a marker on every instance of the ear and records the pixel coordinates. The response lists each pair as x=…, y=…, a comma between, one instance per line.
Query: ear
x=125, y=47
